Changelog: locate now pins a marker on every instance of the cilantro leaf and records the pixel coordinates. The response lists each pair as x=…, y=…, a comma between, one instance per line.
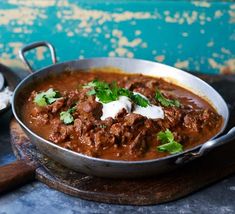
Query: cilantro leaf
x=91, y=92
x=168, y=143
x=172, y=147
x=96, y=84
x=40, y=100
x=102, y=126
x=166, y=102
x=106, y=96
x=104, y=91
x=165, y=137
x=73, y=109
x=46, y=98
x=125, y=92
x=139, y=100
x=51, y=100
x=66, y=116
x=90, y=84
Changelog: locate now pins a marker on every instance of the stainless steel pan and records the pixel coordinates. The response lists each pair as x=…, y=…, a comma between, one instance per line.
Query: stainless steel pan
x=116, y=168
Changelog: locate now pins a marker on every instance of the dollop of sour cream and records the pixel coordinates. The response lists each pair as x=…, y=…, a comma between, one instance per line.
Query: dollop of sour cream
x=112, y=109
x=151, y=111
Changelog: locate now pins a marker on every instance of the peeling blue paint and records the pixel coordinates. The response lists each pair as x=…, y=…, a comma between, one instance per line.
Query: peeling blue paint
x=197, y=36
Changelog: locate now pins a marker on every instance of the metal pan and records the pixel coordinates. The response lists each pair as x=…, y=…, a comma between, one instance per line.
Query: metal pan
x=116, y=168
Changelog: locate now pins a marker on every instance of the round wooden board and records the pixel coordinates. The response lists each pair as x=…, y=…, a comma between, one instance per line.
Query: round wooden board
x=145, y=191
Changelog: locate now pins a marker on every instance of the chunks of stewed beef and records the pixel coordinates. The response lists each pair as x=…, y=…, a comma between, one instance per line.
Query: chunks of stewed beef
x=195, y=121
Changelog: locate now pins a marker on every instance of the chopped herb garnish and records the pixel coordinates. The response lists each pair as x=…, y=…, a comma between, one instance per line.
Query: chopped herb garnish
x=166, y=102
x=40, y=99
x=96, y=84
x=102, y=126
x=104, y=91
x=139, y=100
x=168, y=143
x=47, y=98
x=110, y=92
x=91, y=92
x=66, y=116
x=124, y=92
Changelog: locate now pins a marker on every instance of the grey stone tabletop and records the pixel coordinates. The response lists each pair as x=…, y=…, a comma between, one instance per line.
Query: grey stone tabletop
x=36, y=197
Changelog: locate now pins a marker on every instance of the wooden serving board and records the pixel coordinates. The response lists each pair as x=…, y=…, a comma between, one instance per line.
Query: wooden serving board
x=153, y=190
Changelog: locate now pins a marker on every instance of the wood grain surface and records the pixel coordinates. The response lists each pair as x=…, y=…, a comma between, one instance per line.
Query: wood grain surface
x=15, y=174
x=195, y=175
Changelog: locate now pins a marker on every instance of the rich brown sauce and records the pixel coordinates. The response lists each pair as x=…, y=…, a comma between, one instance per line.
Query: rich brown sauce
x=127, y=137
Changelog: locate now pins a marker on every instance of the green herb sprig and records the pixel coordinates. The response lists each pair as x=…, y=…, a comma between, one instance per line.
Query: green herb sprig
x=139, y=100
x=110, y=92
x=47, y=98
x=168, y=143
x=166, y=102
x=66, y=116
x=102, y=126
x=104, y=91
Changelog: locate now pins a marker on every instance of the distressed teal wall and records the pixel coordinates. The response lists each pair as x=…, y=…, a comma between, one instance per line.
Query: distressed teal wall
x=197, y=36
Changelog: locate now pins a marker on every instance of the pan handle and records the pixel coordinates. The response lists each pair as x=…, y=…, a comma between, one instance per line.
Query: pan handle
x=33, y=46
x=206, y=147
x=16, y=174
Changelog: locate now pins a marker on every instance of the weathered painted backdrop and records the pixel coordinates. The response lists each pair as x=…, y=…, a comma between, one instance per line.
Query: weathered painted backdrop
x=198, y=36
